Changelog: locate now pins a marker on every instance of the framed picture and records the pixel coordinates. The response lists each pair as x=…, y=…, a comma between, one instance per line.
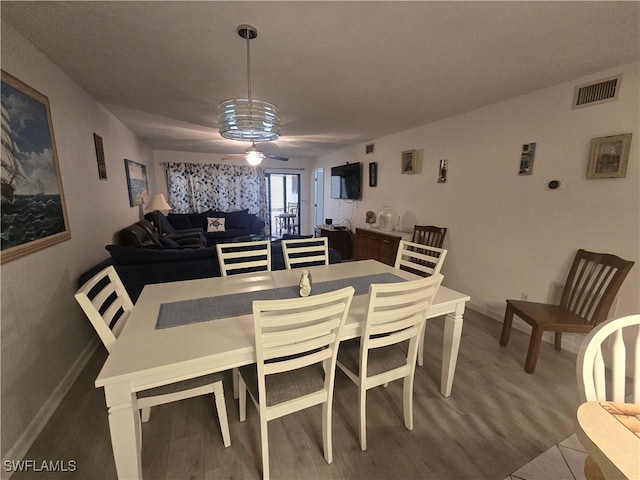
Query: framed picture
x=137, y=183
x=608, y=156
x=410, y=161
x=527, y=156
x=442, y=171
x=373, y=174
x=102, y=167
x=34, y=215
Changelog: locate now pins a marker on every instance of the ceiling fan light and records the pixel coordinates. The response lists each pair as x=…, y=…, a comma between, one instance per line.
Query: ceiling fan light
x=254, y=157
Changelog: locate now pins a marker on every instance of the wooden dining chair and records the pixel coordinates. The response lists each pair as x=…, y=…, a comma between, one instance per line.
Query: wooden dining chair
x=296, y=346
x=395, y=315
x=108, y=306
x=422, y=260
x=429, y=235
x=305, y=252
x=591, y=286
x=244, y=257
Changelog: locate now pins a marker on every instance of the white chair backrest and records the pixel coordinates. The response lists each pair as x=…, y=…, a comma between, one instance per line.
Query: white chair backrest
x=305, y=252
x=420, y=259
x=611, y=345
x=396, y=312
x=238, y=257
x=298, y=332
x=102, y=298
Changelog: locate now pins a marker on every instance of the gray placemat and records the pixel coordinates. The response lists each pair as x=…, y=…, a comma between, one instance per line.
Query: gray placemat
x=186, y=312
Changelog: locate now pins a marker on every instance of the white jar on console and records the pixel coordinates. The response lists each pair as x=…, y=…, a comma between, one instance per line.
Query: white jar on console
x=387, y=218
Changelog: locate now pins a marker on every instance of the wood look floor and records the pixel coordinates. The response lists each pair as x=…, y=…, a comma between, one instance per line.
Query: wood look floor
x=497, y=419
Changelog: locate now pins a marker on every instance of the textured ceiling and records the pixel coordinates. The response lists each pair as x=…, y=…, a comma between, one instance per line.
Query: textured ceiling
x=342, y=73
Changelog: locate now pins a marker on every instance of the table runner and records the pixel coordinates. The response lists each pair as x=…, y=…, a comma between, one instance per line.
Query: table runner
x=186, y=312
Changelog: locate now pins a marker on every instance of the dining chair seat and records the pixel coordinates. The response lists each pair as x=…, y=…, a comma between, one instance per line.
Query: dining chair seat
x=380, y=359
x=287, y=386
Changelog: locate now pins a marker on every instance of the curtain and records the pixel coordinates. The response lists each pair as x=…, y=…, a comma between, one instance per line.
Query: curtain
x=196, y=188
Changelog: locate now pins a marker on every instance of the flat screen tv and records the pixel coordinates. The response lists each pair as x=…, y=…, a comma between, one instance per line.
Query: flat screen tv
x=346, y=181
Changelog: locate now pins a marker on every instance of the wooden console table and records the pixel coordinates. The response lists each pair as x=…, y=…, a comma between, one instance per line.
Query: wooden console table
x=339, y=239
x=378, y=245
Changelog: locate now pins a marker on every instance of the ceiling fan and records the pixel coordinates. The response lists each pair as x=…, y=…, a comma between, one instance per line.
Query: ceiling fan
x=253, y=155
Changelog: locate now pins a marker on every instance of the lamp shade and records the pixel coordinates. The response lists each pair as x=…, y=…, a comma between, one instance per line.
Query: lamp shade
x=158, y=202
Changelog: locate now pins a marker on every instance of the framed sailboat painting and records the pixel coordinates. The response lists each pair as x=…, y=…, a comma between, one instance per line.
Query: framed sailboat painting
x=33, y=213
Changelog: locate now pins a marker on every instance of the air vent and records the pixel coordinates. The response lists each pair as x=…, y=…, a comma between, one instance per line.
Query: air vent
x=368, y=149
x=596, y=93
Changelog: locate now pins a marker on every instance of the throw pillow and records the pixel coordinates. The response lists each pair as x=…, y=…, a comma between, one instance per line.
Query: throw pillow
x=215, y=224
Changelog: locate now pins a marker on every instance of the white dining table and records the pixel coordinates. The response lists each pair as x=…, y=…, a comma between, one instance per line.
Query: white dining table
x=145, y=357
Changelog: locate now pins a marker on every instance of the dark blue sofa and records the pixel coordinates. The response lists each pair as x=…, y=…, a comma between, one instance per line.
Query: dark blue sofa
x=236, y=224
x=139, y=266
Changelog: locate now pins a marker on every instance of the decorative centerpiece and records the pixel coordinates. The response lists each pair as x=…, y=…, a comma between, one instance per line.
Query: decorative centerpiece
x=370, y=218
x=305, y=283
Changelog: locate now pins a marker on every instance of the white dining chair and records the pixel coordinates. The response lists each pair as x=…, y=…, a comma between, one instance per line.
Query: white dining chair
x=395, y=314
x=243, y=257
x=296, y=346
x=423, y=260
x=305, y=252
x=608, y=355
x=108, y=306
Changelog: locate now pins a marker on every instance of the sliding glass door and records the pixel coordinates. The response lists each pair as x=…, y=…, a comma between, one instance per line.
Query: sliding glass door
x=284, y=203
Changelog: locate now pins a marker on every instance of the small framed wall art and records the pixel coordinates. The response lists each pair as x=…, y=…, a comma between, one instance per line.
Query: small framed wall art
x=137, y=183
x=409, y=161
x=527, y=157
x=373, y=174
x=102, y=167
x=608, y=156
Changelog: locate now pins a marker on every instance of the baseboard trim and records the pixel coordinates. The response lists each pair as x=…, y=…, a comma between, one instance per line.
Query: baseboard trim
x=34, y=429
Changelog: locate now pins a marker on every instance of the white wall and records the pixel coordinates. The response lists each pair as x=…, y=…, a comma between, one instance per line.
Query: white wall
x=45, y=336
x=508, y=234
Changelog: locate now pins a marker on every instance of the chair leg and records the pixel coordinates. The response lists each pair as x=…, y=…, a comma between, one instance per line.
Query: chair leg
x=242, y=399
x=327, y=443
x=506, y=326
x=407, y=400
x=264, y=438
x=218, y=392
x=558, y=341
x=534, y=349
x=362, y=394
x=145, y=414
x=234, y=376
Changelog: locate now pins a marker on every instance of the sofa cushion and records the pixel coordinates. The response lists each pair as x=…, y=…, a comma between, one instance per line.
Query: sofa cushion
x=134, y=255
x=179, y=221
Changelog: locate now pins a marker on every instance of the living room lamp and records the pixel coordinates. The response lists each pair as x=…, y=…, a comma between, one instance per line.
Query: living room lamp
x=246, y=119
x=160, y=205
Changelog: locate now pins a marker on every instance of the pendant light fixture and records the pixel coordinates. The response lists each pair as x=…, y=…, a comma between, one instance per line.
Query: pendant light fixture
x=246, y=119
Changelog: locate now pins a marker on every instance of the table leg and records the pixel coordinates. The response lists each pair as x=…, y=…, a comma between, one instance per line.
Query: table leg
x=450, y=347
x=126, y=436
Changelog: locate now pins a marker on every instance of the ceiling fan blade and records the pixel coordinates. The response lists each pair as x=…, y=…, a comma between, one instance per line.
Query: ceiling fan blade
x=275, y=157
x=232, y=156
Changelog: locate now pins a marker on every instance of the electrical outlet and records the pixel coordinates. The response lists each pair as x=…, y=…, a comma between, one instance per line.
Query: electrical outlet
x=524, y=297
